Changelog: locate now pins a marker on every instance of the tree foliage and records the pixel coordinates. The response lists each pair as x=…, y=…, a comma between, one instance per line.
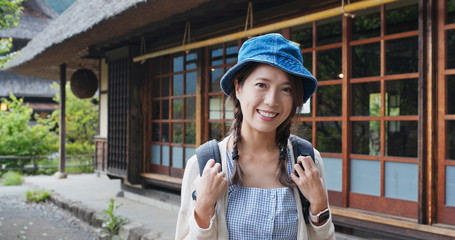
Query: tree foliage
x=81, y=122
x=10, y=10
x=18, y=137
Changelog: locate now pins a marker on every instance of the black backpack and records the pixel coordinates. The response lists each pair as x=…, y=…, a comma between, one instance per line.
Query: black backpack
x=301, y=147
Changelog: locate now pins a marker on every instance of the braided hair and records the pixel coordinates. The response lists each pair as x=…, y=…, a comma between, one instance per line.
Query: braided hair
x=282, y=133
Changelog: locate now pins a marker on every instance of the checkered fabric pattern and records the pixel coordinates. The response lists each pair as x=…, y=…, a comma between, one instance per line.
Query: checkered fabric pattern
x=256, y=213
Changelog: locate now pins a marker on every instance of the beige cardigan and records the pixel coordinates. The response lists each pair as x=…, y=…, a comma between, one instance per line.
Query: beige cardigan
x=187, y=227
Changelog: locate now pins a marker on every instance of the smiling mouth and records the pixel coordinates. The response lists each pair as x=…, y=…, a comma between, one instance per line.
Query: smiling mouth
x=267, y=114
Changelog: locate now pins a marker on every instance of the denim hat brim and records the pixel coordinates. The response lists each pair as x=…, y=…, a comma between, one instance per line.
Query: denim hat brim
x=288, y=65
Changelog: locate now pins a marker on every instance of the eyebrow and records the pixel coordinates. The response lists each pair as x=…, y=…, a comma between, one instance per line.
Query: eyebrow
x=268, y=80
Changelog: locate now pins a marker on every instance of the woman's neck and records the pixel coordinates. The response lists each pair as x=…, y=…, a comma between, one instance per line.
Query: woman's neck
x=257, y=141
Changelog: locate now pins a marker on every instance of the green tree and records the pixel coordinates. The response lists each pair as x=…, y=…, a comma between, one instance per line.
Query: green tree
x=81, y=122
x=18, y=137
x=10, y=10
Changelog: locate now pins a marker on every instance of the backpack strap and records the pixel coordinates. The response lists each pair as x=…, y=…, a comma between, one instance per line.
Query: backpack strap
x=204, y=153
x=302, y=147
x=207, y=151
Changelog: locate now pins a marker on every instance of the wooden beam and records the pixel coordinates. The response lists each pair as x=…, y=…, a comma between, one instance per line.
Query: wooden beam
x=62, y=126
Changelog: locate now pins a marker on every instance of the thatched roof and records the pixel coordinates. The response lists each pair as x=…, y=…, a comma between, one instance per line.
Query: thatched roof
x=28, y=27
x=85, y=23
x=25, y=86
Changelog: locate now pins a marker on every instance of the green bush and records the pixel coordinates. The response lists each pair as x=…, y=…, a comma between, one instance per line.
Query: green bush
x=12, y=179
x=37, y=195
x=112, y=223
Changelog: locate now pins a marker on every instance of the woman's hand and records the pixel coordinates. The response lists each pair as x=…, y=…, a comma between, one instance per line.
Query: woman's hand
x=310, y=184
x=209, y=188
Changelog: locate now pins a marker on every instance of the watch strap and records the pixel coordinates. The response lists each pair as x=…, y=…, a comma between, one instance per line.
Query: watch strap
x=321, y=217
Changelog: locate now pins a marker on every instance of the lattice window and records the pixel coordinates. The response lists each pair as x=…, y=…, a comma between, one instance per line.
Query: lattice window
x=118, y=116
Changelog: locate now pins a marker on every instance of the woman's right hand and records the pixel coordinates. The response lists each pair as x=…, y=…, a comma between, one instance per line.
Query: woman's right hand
x=209, y=188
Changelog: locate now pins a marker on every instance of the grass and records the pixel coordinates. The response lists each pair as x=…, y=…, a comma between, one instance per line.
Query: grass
x=11, y=178
x=37, y=195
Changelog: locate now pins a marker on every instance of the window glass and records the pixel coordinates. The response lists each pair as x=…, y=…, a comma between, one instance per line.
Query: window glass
x=215, y=130
x=215, y=107
x=450, y=141
x=308, y=61
x=401, y=138
x=329, y=64
x=165, y=65
x=165, y=161
x=177, y=157
x=366, y=138
x=217, y=55
x=366, y=24
x=189, y=152
x=190, y=133
x=155, y=109
x=165, y=109
x=303, y=35
x=177, y=85
x=191, y=83
x=402, y=97
x=177, y=130
x=402, y=17
x=155, y=132
x=165, y=132
x=333, y=168
x=366, y=99
x=303, y=130
x=177, y=108
x=165, y=87
x=329, y=101
x=216, y=75
x=402, y=55
x=191, y=61
x=178, y=64
x=401, y=180
x=156, y=154
x=450, y=11
x=366, y=177
x=366, y=60
x=329, y=31
x=450, y=49
x=231, y=53
x=190, y=108
x=450, y=90
x=450, y=186
x=228, y=110
x=329, y=137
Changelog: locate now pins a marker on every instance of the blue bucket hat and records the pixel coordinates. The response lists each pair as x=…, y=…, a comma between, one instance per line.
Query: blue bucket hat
x=275, y=50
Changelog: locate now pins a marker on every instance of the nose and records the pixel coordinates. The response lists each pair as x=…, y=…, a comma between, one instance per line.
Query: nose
x=272, y=97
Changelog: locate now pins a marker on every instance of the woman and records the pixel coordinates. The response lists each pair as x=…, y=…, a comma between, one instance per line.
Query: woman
x=254, y=193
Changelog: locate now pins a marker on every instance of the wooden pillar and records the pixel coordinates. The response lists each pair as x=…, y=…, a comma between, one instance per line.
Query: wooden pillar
x=62, y=127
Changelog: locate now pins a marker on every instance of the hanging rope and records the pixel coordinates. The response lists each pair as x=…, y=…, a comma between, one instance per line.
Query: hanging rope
x=143, y=49
x=187, y=35
x=346, y=14
x=249, y=16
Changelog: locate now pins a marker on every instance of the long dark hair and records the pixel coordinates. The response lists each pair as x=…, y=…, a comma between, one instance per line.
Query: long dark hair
x=282, y=133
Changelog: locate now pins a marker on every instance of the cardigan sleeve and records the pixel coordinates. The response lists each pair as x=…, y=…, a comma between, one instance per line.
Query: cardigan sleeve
x=187, y=227
x=327, y=230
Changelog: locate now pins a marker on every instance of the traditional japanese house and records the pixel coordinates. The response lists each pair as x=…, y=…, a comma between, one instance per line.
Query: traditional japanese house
x=382, y=116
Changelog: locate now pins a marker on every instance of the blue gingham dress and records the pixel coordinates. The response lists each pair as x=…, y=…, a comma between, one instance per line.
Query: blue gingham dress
x=257, y=213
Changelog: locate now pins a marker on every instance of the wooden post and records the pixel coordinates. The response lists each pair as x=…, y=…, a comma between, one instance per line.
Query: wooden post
x=62, y=127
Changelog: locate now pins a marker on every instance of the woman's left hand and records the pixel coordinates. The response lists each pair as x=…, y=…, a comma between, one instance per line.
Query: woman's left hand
x=310, y=184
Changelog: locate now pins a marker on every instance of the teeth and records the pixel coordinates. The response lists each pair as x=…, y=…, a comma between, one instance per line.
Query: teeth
x=266, y=114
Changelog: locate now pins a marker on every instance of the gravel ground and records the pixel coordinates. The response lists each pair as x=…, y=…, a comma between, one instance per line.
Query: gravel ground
x=21, y=220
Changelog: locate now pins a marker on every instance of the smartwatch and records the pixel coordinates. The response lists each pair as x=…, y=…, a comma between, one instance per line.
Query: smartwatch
x=321, y=217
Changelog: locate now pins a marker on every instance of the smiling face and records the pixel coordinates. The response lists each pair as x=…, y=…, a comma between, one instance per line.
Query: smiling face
x=265, y=98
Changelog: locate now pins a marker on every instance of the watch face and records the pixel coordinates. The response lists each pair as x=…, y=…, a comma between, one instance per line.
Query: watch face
x=324, y=216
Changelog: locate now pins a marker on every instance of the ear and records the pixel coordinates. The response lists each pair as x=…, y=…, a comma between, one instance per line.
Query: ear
x=237, y=87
